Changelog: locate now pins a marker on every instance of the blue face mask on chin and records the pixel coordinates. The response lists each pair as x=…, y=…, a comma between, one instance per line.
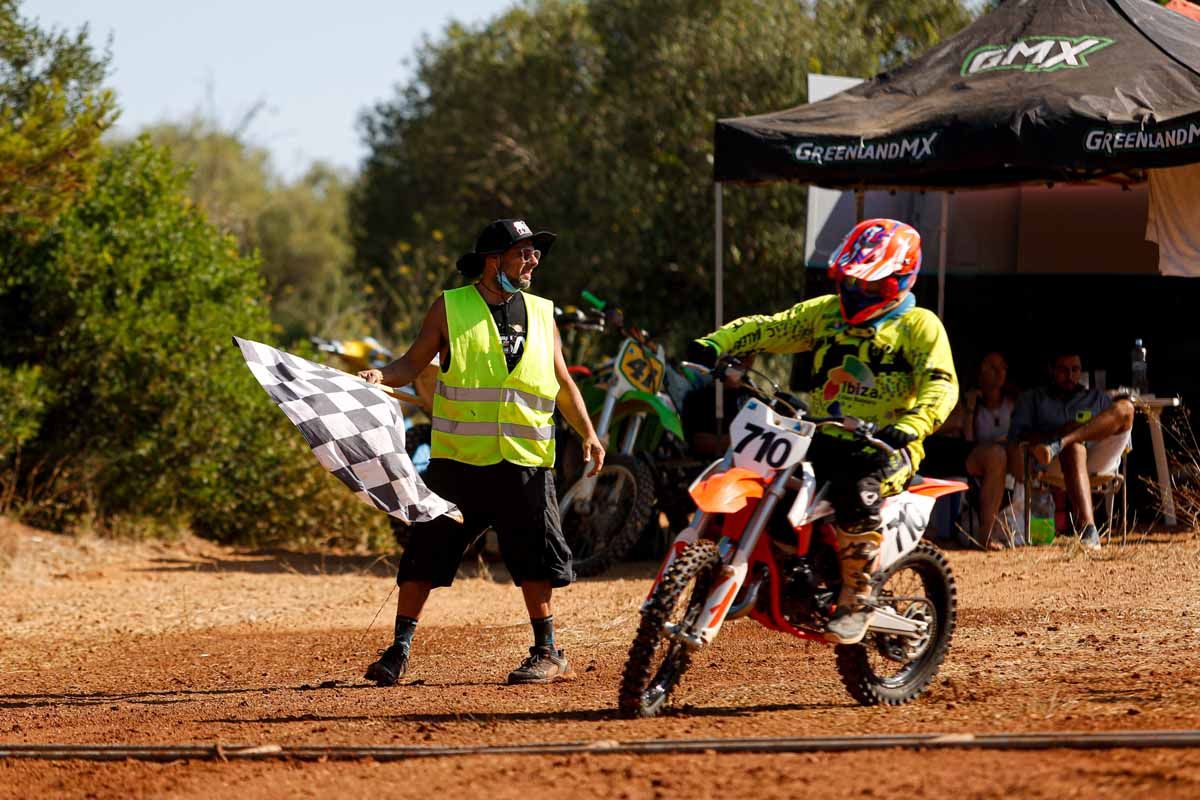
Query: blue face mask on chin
x=508, y=285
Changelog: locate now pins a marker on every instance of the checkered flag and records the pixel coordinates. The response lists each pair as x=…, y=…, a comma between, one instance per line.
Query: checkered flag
x=355, y=430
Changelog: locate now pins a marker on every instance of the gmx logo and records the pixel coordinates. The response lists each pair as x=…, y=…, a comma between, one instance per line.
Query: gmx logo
x=1034, y=54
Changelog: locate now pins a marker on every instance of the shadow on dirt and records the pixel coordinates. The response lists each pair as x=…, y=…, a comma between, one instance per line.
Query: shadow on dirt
x=162, y=697
x=577, y=715
x=279, y=562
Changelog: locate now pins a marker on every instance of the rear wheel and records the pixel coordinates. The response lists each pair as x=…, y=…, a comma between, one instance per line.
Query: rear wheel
x=657, y=661
x=603, y=529
x=893, y=670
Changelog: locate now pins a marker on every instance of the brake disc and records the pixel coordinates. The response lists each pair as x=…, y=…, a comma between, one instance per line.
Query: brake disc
x=903, y=649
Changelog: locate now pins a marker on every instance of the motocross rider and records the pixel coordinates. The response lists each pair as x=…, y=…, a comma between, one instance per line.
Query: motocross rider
x=875, y=356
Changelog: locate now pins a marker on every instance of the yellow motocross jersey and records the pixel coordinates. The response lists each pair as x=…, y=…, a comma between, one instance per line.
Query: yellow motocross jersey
x=898, y=372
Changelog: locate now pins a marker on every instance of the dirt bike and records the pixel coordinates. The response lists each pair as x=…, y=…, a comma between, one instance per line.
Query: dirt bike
x=603, y=516
x=577, y=326
x=761, y=544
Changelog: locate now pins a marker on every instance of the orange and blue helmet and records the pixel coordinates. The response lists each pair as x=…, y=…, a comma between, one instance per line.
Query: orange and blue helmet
x=874, y=268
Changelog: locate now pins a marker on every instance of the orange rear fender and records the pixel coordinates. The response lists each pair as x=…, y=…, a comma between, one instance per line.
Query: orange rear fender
x=932, y=487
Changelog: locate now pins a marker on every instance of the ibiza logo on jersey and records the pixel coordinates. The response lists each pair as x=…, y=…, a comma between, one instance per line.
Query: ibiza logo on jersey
x=852, y=377
x=1034, y=54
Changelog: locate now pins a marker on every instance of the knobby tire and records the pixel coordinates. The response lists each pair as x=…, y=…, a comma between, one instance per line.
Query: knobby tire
x=621, y=537
x=698, y=561
x=853, y=662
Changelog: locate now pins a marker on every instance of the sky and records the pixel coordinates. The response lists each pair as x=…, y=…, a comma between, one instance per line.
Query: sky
x=315, y=64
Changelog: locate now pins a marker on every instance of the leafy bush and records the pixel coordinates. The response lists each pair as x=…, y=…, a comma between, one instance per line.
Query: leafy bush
x=132, y=303
x=22, y=398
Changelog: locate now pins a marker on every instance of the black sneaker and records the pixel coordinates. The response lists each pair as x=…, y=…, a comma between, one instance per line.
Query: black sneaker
x=541, y=666
x=390, y=667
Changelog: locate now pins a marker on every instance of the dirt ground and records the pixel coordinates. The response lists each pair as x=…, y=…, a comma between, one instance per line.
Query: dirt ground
x=112, y=642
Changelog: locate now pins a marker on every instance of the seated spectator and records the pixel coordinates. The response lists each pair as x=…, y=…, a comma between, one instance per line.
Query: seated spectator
x=972, y=442
x=1075, y=432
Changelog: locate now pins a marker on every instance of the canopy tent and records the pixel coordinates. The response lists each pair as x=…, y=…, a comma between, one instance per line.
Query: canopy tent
x=1052, y=90
x=1036, y=91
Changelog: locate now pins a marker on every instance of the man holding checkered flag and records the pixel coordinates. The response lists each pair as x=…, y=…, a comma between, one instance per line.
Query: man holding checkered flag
x=502, y=375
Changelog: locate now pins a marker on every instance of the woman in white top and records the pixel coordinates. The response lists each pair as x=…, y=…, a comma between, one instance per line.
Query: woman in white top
x=980, y=425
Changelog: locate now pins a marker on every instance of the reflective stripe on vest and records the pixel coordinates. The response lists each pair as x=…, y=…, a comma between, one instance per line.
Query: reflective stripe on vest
x=482, y=413
x=495, y=396
x=489, y=429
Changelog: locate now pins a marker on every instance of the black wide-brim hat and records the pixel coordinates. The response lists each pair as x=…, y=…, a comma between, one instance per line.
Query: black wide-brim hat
x=498, y=236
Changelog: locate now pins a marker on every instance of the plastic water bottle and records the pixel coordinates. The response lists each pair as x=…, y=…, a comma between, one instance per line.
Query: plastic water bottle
x=1138, y=368
x=1041, y=518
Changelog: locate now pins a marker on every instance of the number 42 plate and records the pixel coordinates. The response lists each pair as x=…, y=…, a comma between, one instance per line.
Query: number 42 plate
x=764, y=442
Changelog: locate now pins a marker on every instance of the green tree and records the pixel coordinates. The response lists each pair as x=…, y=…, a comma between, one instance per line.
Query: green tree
x=299, y=229
x=595, y=119
x=122, y=397
x=53, y=111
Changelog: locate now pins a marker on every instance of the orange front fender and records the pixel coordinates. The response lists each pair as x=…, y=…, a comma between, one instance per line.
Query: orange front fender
x=727, y=492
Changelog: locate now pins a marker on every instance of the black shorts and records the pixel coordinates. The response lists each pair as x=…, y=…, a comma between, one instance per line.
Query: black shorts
x=857, y=484
x=519, y=503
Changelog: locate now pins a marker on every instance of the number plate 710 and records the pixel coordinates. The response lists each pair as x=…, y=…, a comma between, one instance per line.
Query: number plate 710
x=764, y=442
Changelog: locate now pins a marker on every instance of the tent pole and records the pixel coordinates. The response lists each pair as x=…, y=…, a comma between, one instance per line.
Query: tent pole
x=719, y=291
x=942, y=228
x=860, y=206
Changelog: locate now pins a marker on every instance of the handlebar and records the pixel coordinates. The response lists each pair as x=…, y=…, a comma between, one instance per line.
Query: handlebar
x=594, y=301
x=572, y=317
x=614, y=317
x=730, y=370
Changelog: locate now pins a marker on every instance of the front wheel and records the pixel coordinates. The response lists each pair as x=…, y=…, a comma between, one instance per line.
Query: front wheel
x=656, y=660
x=603, y=529
x=893, y=670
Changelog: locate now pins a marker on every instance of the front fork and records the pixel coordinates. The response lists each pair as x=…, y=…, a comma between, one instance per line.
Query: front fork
x=588, y=484
x=732, y=574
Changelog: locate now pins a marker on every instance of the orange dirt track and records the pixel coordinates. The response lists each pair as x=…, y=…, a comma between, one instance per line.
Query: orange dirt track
x=121, y=643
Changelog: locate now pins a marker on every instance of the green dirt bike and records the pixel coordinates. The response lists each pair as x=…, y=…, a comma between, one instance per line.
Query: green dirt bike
x=634, y=400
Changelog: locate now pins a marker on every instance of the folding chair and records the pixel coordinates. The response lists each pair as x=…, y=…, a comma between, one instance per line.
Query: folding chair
x=969, y=516
x=1106, y=486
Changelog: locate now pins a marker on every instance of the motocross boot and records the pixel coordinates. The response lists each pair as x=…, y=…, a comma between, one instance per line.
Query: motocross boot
x=857, y=553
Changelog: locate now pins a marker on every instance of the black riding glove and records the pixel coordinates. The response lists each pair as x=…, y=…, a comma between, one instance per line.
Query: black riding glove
x=701, y=353
x=897, y=438
x=894, y=437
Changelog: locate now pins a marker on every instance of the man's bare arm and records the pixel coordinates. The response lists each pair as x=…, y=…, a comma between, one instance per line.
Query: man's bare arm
x=570, y=403
x=428, y=343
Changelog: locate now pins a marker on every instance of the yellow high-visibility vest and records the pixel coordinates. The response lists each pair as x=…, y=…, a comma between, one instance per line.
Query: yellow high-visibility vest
x=482, y=413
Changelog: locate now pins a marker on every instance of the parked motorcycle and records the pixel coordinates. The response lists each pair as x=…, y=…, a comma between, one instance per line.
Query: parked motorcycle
x=603, y=516
x=578, y=327
x=761, y=544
